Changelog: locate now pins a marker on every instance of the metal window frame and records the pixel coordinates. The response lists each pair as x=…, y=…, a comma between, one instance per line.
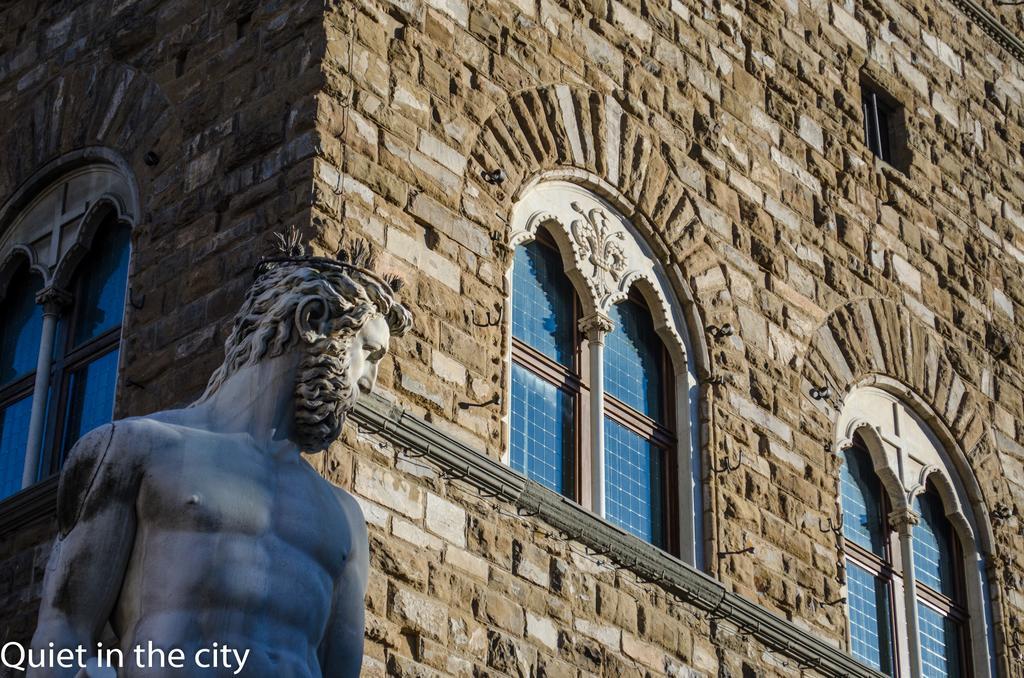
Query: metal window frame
x=877, y=123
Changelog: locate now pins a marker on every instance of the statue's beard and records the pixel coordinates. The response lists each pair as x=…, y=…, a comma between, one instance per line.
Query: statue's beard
x=324, y=394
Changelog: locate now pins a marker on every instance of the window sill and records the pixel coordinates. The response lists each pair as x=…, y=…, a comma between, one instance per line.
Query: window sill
x=28, y=506
x=900, y=178
x=377, y=416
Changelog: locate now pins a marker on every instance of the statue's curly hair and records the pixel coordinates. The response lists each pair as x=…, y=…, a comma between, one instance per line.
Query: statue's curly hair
x=345, y=295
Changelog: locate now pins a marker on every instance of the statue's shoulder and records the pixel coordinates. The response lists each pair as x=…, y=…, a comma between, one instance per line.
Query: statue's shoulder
x=105, y=465
x=351, y=507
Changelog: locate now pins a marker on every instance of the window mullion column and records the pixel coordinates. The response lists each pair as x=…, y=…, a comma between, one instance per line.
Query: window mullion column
x=52, y=300
x=595, y=326
x=903, y=520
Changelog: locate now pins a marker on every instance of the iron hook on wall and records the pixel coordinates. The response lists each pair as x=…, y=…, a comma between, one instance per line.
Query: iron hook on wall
x=489, y=320
x=835, y=527
x=494, y=400
x=723, y=554
x=727, y=466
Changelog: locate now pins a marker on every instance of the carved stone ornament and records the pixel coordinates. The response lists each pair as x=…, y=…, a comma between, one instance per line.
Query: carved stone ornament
x=601, y=245
x=213, y=508
x=53, y=298
x=596, y=325
x=903, y=519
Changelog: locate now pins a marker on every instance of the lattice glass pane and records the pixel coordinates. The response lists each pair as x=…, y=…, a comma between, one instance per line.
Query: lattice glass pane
x=21, y=323
x=542, y=302
x=103, y=278
x=633, y=371
x=933, y=547
x=542, y=431
x=868, y=608
x=633, y=481
x=940, y=644
x=90, y=397
x=13, y=438
x=863, y=522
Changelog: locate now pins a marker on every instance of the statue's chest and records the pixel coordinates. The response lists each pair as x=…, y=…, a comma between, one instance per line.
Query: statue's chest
x=245, y=498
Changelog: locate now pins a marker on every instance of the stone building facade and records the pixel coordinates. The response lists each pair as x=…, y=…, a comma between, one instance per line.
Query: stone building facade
x=807, y=277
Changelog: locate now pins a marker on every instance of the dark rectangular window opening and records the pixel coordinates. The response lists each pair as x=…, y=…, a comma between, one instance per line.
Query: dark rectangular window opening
x=885, y=129
x=242, y=26
x=179, y=63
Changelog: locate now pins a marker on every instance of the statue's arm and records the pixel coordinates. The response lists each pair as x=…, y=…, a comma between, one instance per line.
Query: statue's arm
x=96, y=520
x=341, y=651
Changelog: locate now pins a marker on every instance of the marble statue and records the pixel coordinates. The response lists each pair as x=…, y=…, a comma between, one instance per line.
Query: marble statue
x=204, y=525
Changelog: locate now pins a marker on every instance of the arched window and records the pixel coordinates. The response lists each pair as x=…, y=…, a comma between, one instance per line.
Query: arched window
x=600, y=382
x=21, y=320
x=917, y=604
x=869, y=565
x=940, y=601
x=545, y=375
x=84, y=370
x=67, y=252
x=638, y=432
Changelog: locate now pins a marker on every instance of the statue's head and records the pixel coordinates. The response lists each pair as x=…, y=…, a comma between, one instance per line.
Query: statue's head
x=338, y=313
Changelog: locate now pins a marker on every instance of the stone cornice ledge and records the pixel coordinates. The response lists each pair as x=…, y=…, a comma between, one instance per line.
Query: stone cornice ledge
x=991, y=25
x=379, y=417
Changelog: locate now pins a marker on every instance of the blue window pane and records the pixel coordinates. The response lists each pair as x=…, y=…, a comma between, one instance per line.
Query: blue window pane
x=103, y=277
x=90, y=398
x=933, y=548
x=21, y=323
x=863, y=522
x=869, y=618
x=940, y=644
x=633, y=369
x=633, y=479
x=542, y=302
x=542, y=431
x=13, y=438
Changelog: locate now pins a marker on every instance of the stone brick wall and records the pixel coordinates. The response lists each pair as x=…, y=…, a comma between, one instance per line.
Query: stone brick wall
x=732, y=136
x=730, y=133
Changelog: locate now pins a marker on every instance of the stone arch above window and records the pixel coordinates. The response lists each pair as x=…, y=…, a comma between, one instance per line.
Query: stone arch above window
x=918, y=468
x=59, y=223
x=68, y=233
x=604, y=256
x=636, y=459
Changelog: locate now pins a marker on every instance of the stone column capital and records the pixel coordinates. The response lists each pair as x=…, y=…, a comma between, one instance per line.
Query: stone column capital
x=596, y=325
x=53, y=299
x=903, y=519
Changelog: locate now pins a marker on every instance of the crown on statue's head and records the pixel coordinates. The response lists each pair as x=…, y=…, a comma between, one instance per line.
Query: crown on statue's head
x=355, y=257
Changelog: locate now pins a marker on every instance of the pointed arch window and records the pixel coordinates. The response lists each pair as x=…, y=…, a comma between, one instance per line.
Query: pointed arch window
x=916, y=603
x=546, y=383
x=21, y=320
x=61, y=310
x=638, y=434
x=601, y=390
x=940, y=600
x=84, y=370
x=869, y=567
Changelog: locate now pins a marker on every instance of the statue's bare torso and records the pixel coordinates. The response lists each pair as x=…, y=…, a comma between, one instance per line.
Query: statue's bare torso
x=230, y=544
x=251, y=529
